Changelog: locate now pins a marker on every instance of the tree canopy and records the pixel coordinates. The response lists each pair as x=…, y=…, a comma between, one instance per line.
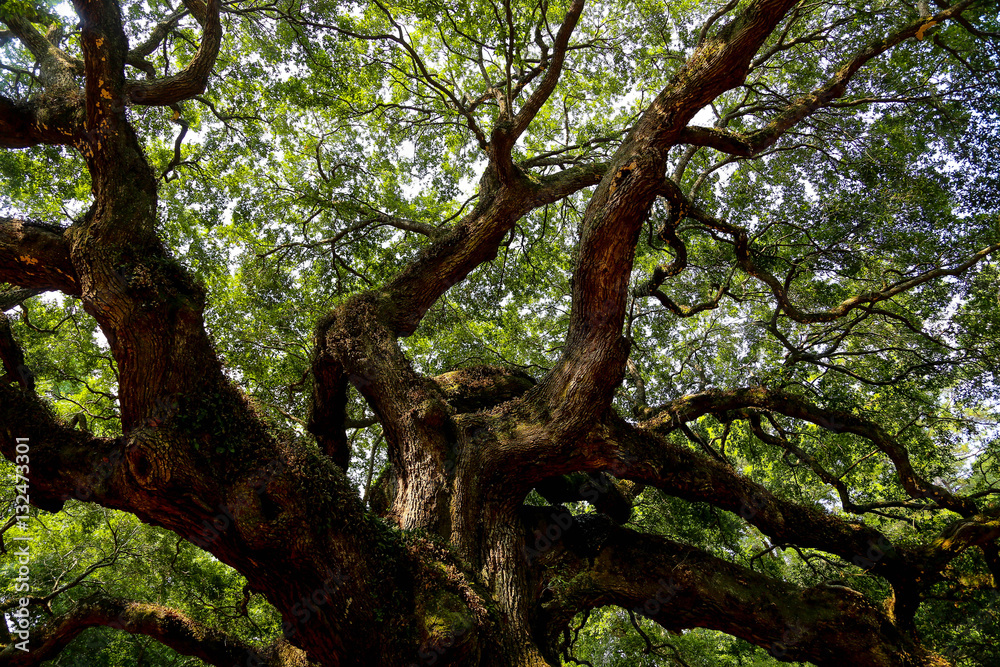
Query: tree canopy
x=494, y=333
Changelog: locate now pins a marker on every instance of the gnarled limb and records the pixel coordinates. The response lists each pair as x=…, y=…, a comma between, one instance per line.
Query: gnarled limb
x=475, y=240
x=357, y=342
x=35, y=255
x=12, y=358
x=471, y=242
x=353, y=344
x=195, y=458
x=16, y=297
x=980, y=530
x=56, y=68
x=138, y=53
x=678, y=586
x=482, y=387
x=835, y=87
x=687, y=474
x=168, y=626
x=616, y=212
x=256, y=511
x=65, y=462
x=641, y=454
x=25, y=124
x=191, y=80
x=720, y=140
x=328, y=410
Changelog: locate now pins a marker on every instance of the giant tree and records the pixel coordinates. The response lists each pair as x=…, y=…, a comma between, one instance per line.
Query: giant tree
x=685, y=309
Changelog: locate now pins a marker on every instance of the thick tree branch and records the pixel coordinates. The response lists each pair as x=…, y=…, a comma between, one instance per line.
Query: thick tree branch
x=836, y=86
x=196, y=454
x=475, y=240
x=682, y=472
x=168, y=626
x=594, y=348
x=254, y=511
x=24, y=124
x=681, y=587
x=720, y=140
x=354, y=345
x=980, y=530
x=56, y=68
x=470, y=243
x=642, y=454
x=35, y=255
x=65, y=462
x=408, y=225
x=12, y=358
x=558, y=186
x=328, y=410
x=357, y=342
x=139, y=52
x=16, y=297
x=193, y=79
x=482, y=387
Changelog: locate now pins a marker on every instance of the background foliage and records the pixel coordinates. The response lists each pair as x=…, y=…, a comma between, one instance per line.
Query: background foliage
x=318, y=122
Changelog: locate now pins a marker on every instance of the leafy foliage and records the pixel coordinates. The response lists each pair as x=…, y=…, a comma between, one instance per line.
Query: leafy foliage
x=338, y=139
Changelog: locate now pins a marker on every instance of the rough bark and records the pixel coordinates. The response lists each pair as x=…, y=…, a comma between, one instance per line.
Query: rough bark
x=464, y=447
